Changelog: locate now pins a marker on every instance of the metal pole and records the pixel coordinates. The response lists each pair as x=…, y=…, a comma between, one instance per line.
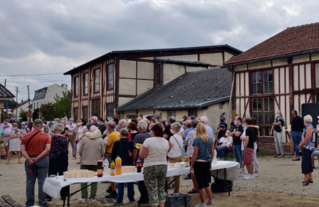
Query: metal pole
x=5, y=83
x=230, y=99
x=17, y=92
x=28, y=95
x=28, y=101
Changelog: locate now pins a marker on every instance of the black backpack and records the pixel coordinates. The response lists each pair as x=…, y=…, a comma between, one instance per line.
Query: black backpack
x=221, y=185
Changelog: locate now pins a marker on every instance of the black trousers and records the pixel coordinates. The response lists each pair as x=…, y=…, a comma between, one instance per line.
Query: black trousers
x=60, y=165
x=143, y=191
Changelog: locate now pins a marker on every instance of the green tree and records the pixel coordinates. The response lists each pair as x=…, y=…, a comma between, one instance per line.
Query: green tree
x=47, y=111
x=63, y=105
x=23, y=115
x=35, y=114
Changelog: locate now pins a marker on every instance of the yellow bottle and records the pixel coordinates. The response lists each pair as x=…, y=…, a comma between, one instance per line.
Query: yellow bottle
x=186, y=160
x=112, y=168
x=118, y=163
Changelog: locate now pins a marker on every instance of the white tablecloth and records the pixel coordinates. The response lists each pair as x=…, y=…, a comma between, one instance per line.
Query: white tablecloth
x=232, y=170
x=52, y=186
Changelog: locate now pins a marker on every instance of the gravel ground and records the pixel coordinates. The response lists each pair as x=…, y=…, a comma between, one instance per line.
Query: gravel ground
x=278, y=184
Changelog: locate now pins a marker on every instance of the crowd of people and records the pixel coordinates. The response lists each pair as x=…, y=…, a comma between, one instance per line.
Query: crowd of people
x=149, y=141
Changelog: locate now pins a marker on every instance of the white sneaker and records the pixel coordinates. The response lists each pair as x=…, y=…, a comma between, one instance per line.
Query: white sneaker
x=241, y=170
x=246, y=172
x=209, y=203
x=91, y=200
x=256, y=174
x=82, y=200
x=249, y=177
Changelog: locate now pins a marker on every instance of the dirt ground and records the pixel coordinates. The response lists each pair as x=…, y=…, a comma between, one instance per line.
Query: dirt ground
x=278, y=184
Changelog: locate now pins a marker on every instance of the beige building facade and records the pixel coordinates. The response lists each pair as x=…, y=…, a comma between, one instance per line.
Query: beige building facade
x=102, y=85
x=281, y=73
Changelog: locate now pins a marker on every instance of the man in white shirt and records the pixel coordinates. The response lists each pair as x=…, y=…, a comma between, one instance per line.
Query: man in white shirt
x=209, y=130
x=7, y=128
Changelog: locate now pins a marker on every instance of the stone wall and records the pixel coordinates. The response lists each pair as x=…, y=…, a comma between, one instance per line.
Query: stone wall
x=269, y=148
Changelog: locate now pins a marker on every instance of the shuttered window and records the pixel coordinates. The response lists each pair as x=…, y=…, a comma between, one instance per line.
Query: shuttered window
x=97, y=81
x=85, y=83
x=110, y=77
x=76, y=87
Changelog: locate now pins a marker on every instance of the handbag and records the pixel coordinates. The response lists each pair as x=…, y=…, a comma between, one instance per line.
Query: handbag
x=182, y=149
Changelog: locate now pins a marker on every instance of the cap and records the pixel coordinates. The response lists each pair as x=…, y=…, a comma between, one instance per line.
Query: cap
x=38, y=122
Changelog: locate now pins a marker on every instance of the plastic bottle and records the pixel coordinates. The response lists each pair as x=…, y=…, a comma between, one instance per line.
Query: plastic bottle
x=100, y=167
x=139, y=165
x=186, y=160
x=118, y=163
x=215, y=157
x=112, y=168
x=106, y=166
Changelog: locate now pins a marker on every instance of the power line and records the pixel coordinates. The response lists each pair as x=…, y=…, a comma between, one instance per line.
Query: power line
x=38, y=74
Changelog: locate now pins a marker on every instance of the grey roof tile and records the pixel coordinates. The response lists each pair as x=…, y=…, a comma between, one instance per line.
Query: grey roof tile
x=190, y=90
x=5, y=93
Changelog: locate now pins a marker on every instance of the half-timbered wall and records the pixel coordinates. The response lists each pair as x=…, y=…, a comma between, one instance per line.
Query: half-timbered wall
x=172, y=71
x=294, y=83
x=135, y=78
x=132, y=76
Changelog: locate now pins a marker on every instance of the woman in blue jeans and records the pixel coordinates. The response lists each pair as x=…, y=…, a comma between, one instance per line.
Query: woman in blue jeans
x=297, y=125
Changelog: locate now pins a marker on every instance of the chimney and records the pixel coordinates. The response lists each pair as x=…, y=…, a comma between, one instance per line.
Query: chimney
x=66, y=86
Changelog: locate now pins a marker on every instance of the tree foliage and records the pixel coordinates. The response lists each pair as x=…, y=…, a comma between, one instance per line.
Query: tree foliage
x=63, y=104
x=61, y=107
x=47, y=111
x=23, y=115
x=35, y=114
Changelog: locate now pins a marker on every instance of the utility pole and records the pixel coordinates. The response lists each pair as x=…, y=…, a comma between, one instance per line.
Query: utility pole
x=5, y=83
x=28, y=95
x=17, y=92
x=29, y=102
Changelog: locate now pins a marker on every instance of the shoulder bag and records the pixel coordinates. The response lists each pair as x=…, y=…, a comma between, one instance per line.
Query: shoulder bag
x=26, y=146
x=182, y=149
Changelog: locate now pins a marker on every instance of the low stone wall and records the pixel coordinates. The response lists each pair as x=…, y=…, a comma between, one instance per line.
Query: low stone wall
x=269, y=148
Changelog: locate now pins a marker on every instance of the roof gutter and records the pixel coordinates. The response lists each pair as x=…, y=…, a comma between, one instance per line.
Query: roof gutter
x=306, y=52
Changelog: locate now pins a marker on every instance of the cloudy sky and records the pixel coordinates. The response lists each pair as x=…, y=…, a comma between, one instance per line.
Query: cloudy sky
x=48, y=36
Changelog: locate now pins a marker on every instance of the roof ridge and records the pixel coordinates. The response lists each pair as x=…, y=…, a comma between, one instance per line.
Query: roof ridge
x=291, y=40
x=304, y=25
x=205, y=70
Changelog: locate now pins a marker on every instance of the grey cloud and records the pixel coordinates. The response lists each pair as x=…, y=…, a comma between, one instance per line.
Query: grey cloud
x=68, y=33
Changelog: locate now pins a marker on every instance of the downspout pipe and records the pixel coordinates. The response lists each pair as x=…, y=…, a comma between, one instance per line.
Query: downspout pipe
x=231, y=69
